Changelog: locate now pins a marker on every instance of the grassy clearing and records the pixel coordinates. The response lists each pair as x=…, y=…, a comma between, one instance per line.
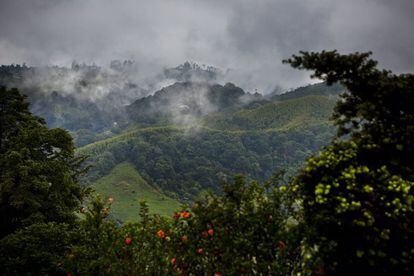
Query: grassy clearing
x=128, y=188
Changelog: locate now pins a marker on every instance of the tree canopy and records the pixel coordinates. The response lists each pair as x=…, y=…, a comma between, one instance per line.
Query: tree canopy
x=358, y=193
x=38, y=177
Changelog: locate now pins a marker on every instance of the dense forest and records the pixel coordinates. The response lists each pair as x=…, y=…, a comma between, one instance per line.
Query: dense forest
x=347, y=209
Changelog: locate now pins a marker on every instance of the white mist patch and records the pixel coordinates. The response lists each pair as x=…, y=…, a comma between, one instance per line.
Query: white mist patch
x=188, y=107
x=104, y=86
x=115, y=86
x=186, y=103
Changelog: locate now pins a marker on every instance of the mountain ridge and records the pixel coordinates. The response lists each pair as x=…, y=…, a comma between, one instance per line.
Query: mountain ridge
x=184, y=160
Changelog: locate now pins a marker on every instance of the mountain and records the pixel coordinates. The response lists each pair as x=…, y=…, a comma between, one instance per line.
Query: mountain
x=169, y=146
x=89, y=100
x=182, y=161
x=86, y=100
x=185, y=102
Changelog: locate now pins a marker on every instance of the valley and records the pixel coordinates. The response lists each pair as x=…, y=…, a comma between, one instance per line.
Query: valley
x=169, y=147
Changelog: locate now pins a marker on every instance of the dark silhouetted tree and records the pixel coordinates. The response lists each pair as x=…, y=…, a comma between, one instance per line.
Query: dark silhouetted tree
x=39, y=172
x=358, y=194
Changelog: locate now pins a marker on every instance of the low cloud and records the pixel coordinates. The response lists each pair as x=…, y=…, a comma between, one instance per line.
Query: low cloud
x=250, y=38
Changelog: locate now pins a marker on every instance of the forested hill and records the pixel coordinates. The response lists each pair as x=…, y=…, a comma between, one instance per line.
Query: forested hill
x=186, y=102
x=254, y=139
x=90, y=100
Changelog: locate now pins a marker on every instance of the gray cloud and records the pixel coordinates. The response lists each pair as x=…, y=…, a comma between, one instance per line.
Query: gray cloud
x=249, y=37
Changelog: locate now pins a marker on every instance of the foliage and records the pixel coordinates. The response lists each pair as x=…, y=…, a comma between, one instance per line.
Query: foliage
x=40, y=249
x=39, y=190
x=248, y=230
x=133, y=249
x=358, y=193
x=39, y=172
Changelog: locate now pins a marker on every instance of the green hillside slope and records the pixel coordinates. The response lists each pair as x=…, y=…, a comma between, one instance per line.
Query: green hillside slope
x=318, y=89
x=300, y=112
x=125, y=185
x=183, y=139
x=184, y=163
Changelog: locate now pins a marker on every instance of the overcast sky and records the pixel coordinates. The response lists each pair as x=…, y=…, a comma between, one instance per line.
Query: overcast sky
x=249, y=36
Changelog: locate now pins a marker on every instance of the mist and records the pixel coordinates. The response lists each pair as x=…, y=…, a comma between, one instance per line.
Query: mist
x=246, y=39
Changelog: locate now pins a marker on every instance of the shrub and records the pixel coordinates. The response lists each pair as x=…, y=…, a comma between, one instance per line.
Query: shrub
x=249, y=229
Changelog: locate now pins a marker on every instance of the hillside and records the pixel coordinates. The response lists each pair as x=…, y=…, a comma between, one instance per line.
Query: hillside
x=184, y=103
x=124, y=184
x=185, y=138
x=318, y=89
x=85, y=100
x=90, y=100
x=301, y=112
x=257, y=140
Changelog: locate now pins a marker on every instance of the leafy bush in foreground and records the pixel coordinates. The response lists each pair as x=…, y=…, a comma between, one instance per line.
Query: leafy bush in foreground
x=247, y=230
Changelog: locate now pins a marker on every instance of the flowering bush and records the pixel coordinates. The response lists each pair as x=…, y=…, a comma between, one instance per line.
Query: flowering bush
x=247, y=230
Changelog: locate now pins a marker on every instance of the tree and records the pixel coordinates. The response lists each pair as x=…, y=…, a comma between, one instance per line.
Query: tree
x=358, y=194
x=39, y=172
x=39, y=249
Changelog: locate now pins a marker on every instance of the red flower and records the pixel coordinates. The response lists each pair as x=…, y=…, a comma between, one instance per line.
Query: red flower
x=128, y=241
x=161, y=234
x=210, y=232
x=200, y=251
x=173, y=261
x=176, y=216
x=185, y=214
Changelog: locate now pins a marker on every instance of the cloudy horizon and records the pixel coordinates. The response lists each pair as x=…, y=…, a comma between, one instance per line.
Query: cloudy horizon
x=249, y=37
